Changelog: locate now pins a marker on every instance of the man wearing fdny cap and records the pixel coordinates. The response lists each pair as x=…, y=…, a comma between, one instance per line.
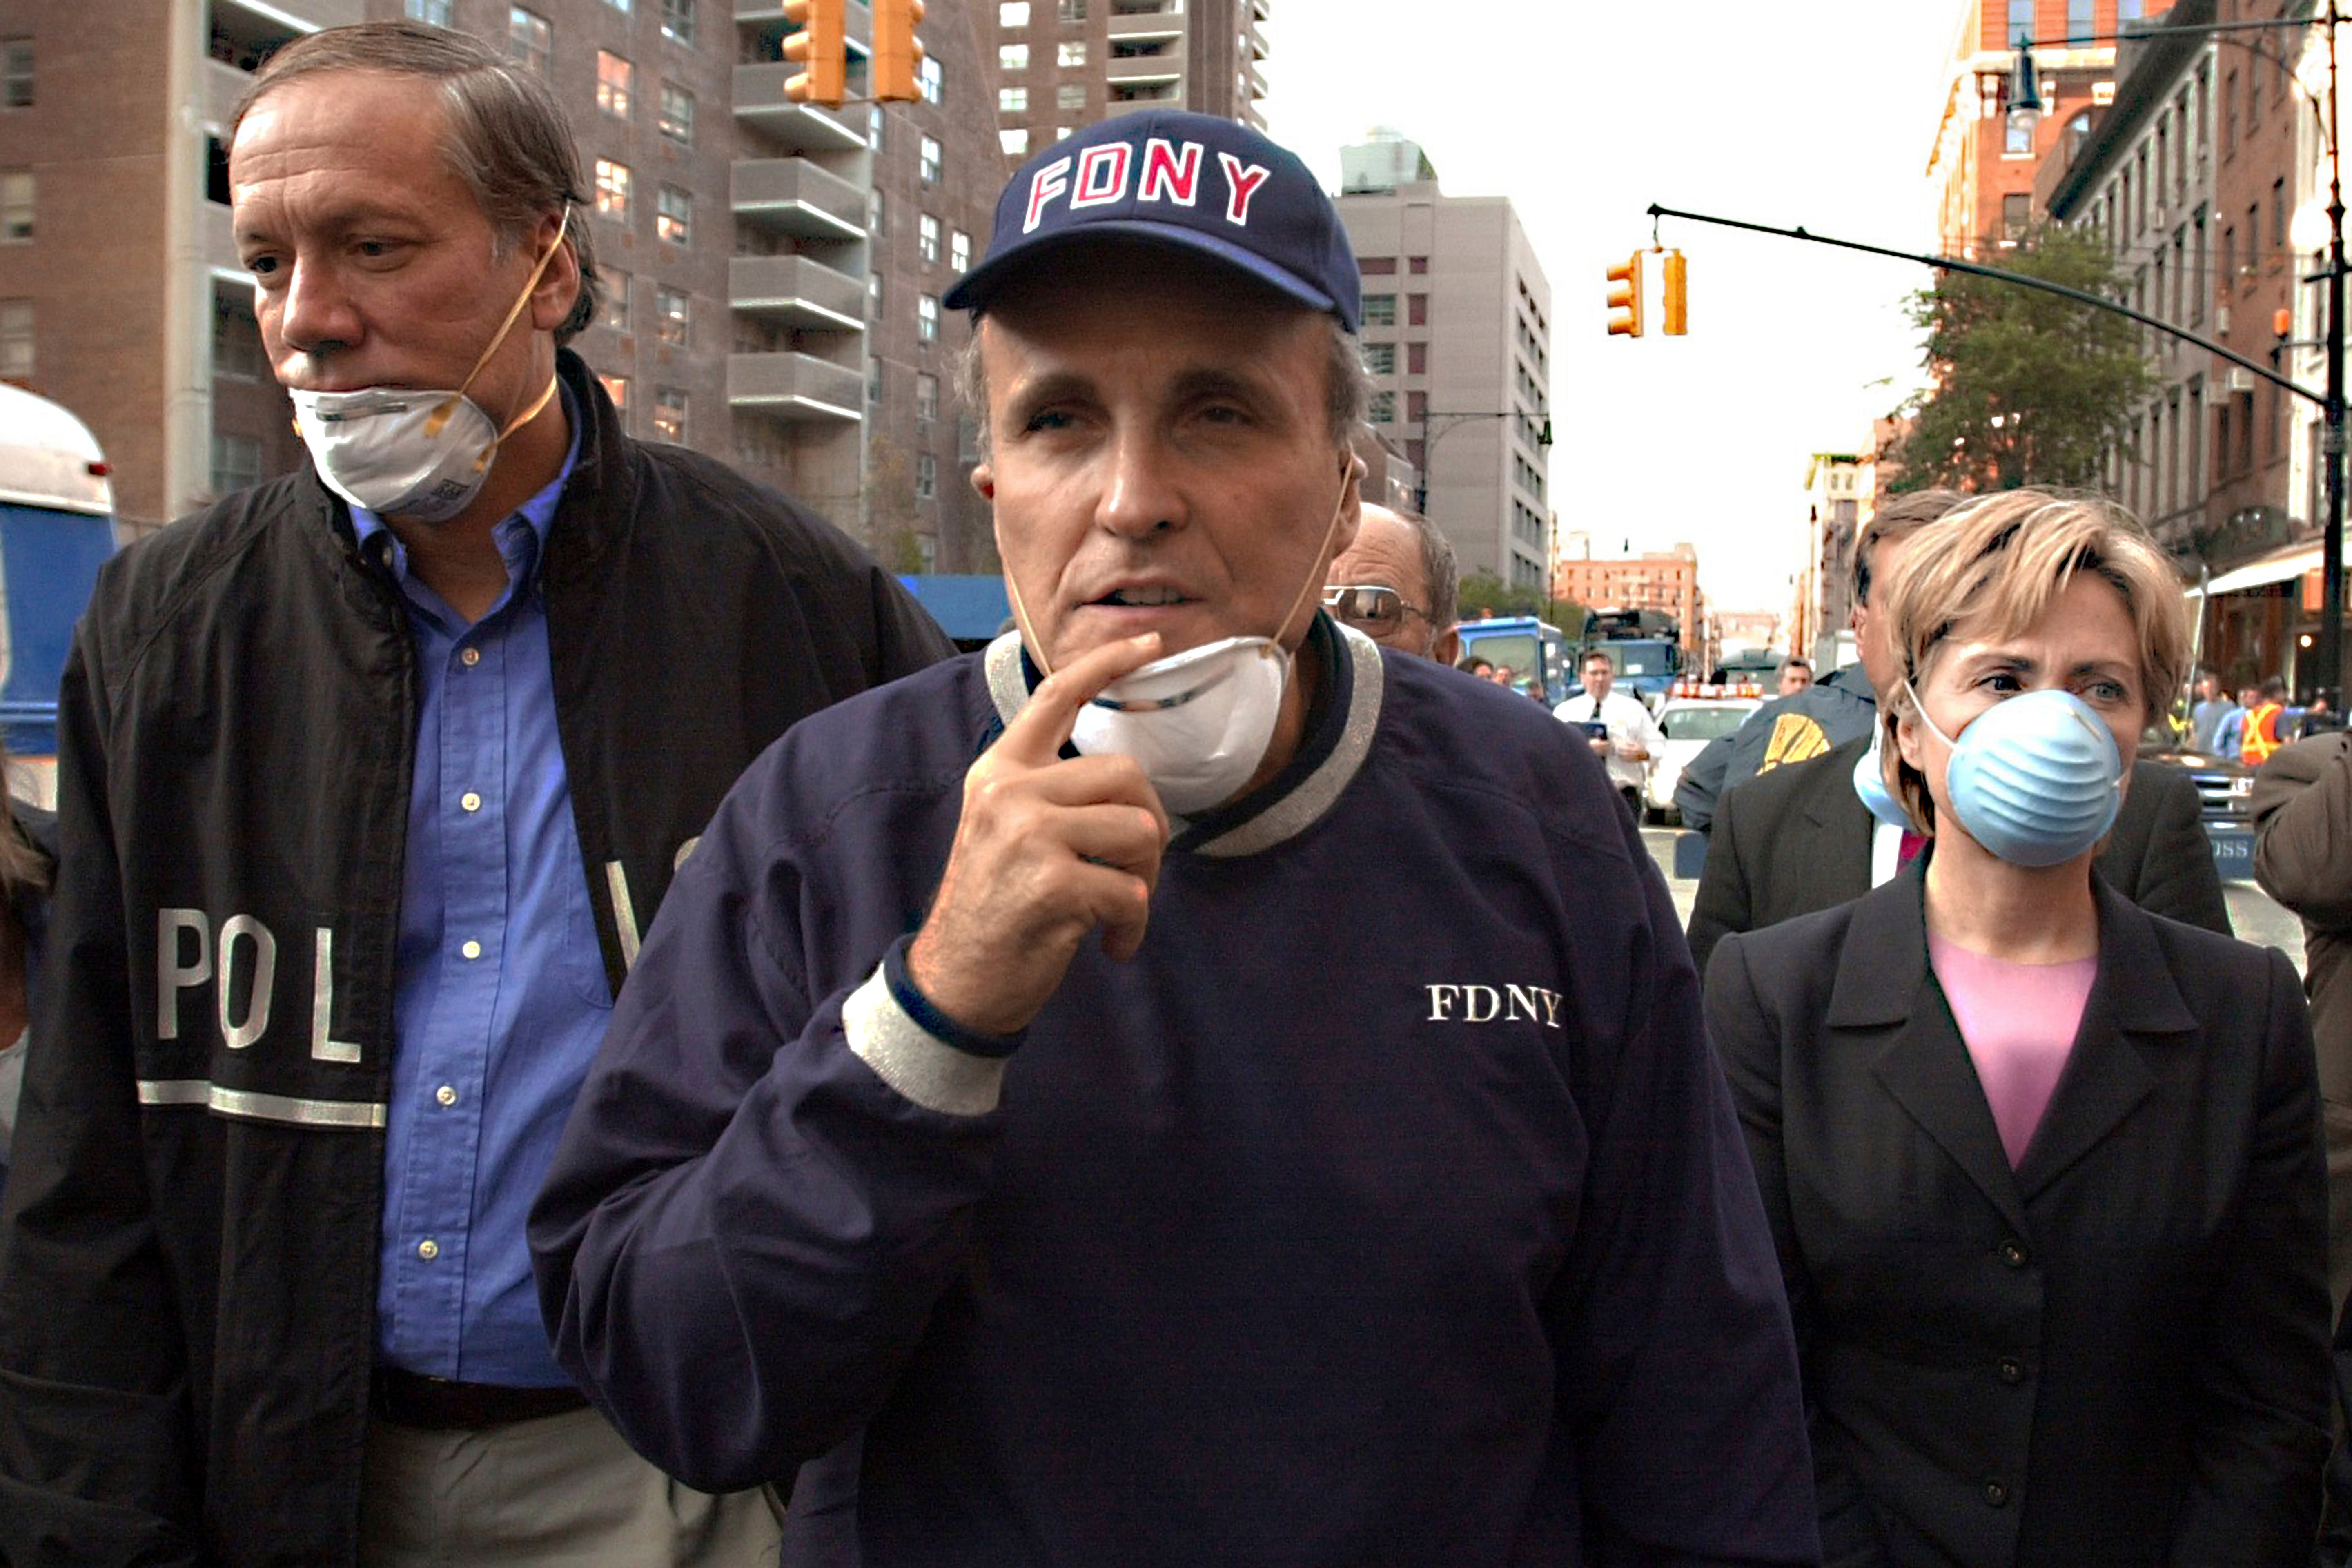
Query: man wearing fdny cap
x=1016, y=1075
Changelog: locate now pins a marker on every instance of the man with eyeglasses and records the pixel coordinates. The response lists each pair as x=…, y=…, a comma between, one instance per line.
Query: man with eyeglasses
x=1396, y=585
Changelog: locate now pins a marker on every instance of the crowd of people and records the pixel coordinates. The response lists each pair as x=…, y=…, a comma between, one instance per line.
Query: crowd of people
x=566, y=1027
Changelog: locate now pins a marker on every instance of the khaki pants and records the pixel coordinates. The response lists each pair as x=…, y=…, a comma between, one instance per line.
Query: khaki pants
x=562, y=1490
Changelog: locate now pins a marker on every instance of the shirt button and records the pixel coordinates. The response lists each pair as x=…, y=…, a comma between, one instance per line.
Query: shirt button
x=1996, y=1495
x=2011, y=1369
x=448, y=1096
x=470, y=658
x=470, y=801
x=2013, y=1253
x=472, y=950
x=428, y=1250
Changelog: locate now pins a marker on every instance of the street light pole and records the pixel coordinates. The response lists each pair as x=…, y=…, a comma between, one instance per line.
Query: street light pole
x=2330, y=661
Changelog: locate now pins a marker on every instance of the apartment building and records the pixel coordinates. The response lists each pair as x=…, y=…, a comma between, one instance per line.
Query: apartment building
x=1457, y=334
x=2140, y=174
x=1980, y=166
x=1662, y=580
x=1064, y=64
x=773, y=271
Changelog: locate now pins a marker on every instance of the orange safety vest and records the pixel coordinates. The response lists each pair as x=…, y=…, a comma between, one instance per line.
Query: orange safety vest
x=2261, y=734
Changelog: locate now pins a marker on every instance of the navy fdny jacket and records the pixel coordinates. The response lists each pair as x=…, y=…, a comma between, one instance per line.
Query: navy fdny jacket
x=1388, y=1207
x=188, y=1250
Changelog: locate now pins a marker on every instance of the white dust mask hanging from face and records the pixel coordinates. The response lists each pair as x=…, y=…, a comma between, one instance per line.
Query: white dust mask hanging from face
x=1198, y=722
x=410, y=452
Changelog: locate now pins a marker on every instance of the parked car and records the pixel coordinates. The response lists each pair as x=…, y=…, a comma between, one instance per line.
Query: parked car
x=1689, y=723
x=2223, y=783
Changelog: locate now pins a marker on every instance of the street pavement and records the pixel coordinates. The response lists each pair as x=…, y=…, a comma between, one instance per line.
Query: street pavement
x=2252, y=913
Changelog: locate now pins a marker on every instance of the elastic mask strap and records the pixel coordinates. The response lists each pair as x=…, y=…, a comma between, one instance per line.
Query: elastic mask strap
x=515, y=309
x=1919, y=706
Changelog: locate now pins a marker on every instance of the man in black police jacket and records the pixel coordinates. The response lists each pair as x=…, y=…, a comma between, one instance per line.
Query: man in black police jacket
x=370, y=780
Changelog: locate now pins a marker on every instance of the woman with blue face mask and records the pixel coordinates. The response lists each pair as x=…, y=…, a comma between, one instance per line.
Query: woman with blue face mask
x=2043, y=1169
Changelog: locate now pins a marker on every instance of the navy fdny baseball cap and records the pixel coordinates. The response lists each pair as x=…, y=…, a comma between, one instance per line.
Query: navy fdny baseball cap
x=1171, y=177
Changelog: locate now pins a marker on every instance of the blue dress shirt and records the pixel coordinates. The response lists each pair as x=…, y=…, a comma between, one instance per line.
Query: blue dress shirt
x=502, y=999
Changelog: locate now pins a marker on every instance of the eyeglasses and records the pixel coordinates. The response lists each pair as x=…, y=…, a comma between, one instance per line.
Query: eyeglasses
x=1369, y=606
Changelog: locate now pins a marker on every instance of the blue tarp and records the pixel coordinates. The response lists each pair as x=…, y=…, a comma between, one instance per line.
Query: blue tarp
x=970, y=609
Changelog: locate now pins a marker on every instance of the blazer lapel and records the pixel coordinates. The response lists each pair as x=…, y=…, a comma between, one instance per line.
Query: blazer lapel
x=2106, y=1072
x=1883, y=978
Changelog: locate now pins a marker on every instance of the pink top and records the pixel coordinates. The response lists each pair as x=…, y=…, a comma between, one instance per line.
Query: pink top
x=2018, y=1022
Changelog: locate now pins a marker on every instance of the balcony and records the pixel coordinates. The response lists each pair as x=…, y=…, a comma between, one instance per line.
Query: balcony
x=796, y=387
x=1144, y=70
x=797, y=291
x=1147, y=25
x=219, y=233
x=759, y=101
x=792, y=195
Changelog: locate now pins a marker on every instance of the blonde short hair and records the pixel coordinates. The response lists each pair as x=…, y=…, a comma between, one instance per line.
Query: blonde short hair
x=2001, y=561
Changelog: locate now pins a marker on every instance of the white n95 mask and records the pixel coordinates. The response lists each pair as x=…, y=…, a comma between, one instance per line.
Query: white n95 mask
x=1197, y=723
x=411, y=452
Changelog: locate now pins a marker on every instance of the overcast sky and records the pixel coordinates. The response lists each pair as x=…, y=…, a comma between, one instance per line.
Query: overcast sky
x=1584, y=115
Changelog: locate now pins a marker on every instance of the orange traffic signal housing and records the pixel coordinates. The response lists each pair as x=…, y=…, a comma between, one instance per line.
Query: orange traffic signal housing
x=1625, y=294
x=822, y=48
x=897, y=51
x=1677, y=301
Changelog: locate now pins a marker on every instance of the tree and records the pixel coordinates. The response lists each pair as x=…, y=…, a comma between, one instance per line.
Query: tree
x=1484, y=590
x=2029, y=388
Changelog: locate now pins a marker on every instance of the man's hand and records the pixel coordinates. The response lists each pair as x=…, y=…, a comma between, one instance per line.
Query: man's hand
x=1601, y=745
x=1048, y=848
x=1632, y=751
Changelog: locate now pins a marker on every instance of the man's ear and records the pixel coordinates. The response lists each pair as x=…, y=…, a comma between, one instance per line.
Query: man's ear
x=557, y=291
x=983, y=481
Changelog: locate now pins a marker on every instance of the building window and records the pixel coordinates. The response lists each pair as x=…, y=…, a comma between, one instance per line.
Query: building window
x=1379, y=359
x=2016, y=138
x=873, y=379
x=927, y=318
x=669, y=415
x=616, y=387
x=237, y=343
x=1416, y=409
x=1416, y=306
x=877, y=214
x=926, y=165
x=2020, y=22
x=1380, y=311
x=436, y=12
x=1072, y=53
x=2079, y=27
x=616, y=299
x=1070, y=95
x=873, y=295
x=930, y=77
x=622, y=7
x=2278, y=214
x=674, y=216
x=531, y=42
x=678, y=26
x=927, y=397
x=1071, y=10
x=1382, y=410
x=237, y=463
x=2015, y=207
x=958, y=250
x=1416, y=359
x=670, y=315
x=677, y=115
x=613, y=77
x=1014, y=141
x=1012, y=57
x=16, y=73
x=1012, y=14
x=15, y=207
x=16, y=340
x=613, y=189
x=927, y=236
x=1012, y=100
x=927, y=476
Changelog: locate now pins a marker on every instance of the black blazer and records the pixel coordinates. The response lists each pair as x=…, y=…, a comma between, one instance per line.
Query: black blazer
x=1796, y=839
x=2117, y=1354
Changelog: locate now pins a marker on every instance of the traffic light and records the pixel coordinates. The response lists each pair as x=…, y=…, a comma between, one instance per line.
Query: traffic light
x=821, y=47
x=897, y=50
x=1626, y=295
x=1677, y=304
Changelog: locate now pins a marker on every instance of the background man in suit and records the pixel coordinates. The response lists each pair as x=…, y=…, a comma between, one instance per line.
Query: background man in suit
x=1800, y=838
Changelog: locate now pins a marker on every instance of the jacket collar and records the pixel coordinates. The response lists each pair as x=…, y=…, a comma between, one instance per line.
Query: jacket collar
x=1884, y=982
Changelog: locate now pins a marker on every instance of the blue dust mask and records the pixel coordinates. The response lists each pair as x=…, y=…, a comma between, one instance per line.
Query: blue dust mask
x=1870, y=783
x=2036, y=779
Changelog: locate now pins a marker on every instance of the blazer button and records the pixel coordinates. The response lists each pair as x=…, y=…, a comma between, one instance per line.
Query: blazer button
x=2011, y=1369
x=1996, y=1495
x=2013, y=1253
